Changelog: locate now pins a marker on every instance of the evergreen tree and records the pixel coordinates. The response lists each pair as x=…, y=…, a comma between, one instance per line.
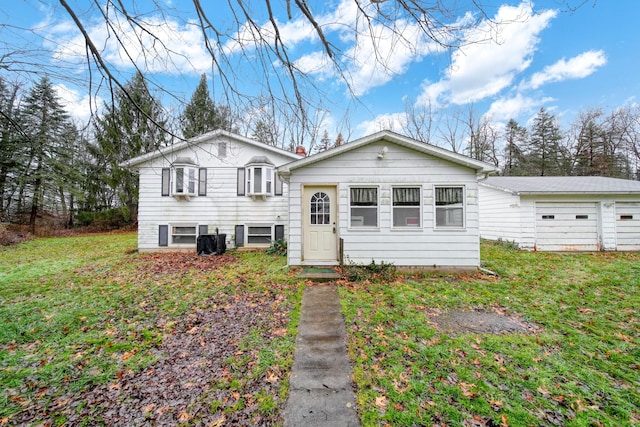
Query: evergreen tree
x=133, y=126
x=10, y=132
x=262, y=133
x=201, y=115
x=515, y=139
x=49, y=143
x=325, y=142
x=544, y=150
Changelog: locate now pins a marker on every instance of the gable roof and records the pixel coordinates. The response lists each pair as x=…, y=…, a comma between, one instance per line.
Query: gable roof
x=209, y=136
x=391, y=137
x=530, y=185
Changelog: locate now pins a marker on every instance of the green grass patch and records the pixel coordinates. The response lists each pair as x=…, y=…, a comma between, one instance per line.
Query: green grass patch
x=82, y=312
x=580, y=368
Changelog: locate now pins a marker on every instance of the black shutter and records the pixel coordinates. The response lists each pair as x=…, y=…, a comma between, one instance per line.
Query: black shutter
x=163, y=235
x=203, y=229
x=279, y=232
x=202, y=182
x=239, y=236
x=278, y=191
x=241, y=182
x=166, y=181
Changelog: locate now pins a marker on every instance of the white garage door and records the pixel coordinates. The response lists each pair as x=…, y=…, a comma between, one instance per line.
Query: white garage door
x=567, y=226
x=628, y=226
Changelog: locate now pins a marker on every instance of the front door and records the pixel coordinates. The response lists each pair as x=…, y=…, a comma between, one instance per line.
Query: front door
x=319, y=222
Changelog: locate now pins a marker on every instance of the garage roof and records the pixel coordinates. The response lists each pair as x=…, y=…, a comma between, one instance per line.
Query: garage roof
x=562, y=185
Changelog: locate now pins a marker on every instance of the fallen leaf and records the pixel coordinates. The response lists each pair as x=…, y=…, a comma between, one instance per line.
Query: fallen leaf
x=185, y=417
x=220, y=421
x=382, y=402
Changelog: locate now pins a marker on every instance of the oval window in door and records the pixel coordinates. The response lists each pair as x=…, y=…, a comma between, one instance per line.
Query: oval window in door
x=320, y=209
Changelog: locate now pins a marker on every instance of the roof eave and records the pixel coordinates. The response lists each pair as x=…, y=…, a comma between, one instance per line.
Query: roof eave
x=199, y=139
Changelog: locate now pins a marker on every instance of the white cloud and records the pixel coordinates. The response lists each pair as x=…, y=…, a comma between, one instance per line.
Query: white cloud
x=77, y=105
x=575, y=68
x=396, y=122
x=510, y=108
x=493, y=54
x=172, y=48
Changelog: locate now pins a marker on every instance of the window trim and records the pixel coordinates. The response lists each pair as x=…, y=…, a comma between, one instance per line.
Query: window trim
x=420, y=207
x=247, y=234
x=436, y=208
x=267, y=173
x=172, y=234
x=377, y=208
x=189, y=181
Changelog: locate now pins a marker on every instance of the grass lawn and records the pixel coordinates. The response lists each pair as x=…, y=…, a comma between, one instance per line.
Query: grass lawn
x=581, y=367
x=93, y=333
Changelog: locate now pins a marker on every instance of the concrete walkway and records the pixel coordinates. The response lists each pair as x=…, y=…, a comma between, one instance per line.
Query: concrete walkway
x=320, y=388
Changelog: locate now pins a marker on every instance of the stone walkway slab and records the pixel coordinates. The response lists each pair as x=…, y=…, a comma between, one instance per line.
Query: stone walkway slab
x=320, y=387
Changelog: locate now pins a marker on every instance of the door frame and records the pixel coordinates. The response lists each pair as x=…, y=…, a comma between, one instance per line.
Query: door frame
x=310, y=188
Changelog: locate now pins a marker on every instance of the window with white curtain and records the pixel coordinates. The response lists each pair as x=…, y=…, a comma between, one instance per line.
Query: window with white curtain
x=406, y=207
x=449, y=207
x=363, y=204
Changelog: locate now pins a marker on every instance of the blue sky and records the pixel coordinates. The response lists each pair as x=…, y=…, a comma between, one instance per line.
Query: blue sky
x=546, y=56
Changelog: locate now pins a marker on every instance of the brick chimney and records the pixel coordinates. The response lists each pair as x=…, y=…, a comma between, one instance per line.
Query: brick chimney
x=301, y=151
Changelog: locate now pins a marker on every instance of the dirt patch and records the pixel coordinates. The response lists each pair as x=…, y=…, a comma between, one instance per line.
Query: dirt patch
x=481, y=322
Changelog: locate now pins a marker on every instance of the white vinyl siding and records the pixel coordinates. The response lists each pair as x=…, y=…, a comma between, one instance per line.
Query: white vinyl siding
x=221, y=208
x=401, y=167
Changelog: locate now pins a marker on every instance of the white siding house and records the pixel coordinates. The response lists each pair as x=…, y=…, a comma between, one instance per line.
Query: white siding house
x=561, y=213
x=215, y=181
x=386, y=198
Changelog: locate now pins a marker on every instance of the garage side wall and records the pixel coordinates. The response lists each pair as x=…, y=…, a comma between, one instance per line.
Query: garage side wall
x=500, y=215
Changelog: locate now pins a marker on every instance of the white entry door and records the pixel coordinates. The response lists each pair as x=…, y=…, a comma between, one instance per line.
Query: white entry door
x=320, y=243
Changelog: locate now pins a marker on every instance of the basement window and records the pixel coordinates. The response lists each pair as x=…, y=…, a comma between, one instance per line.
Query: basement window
x=548, y=217
x=626, y=217
x=259, y=235
x=582, y=216
x=181, y=234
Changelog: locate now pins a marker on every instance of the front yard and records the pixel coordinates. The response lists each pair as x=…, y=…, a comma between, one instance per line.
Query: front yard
x=574, y=362
x=95, y=334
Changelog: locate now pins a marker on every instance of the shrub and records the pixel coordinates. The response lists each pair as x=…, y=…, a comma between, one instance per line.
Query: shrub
x=383, y=272
x=278, y=247
x=104, y=220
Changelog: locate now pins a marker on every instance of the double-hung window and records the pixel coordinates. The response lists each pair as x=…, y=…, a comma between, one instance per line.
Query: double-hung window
x=363, y=206
x=449, y=207
x=407, y=207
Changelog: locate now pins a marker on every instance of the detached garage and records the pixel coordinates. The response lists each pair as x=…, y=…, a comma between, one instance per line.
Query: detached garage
x=561, y=213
